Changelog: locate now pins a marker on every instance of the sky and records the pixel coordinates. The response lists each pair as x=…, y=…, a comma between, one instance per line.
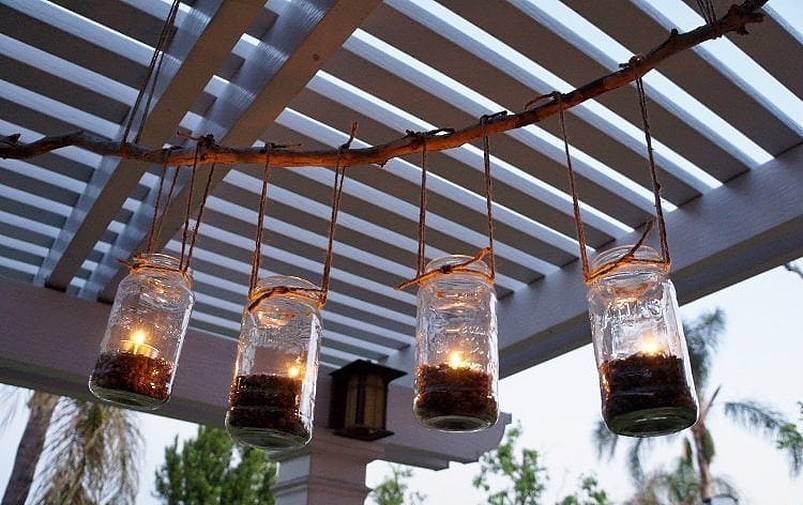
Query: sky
x=557, y=404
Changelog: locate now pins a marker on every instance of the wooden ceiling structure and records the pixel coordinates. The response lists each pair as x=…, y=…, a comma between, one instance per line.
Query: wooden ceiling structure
x=727, y=119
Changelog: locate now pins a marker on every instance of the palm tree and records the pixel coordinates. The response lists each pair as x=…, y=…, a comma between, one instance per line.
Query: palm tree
x=88, y=452
x=678, y=486
x=703, y=337
x=794, y=268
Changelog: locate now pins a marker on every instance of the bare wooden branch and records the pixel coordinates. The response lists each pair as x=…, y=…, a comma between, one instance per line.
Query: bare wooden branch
x=735, y=20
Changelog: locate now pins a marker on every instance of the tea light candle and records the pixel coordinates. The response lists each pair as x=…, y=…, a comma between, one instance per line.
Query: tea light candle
x=136, y=345
x=294, y=371
x=652, y=346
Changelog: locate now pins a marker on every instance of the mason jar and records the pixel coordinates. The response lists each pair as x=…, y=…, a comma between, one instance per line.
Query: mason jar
x=272, y=394
x=148, y=320
x=645, y=376
x=457, y=360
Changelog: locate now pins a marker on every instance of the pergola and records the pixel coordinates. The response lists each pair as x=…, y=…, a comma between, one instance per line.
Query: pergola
x=727, y=119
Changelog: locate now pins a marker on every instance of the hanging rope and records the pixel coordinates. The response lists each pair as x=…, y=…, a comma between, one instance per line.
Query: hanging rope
x=156, y=205
x=199, y=219
x=337, y=196
x=707, y=10
x=193, y=171
x=254, y=295
x=590, y=275
x=151, y=75
x=421, y=275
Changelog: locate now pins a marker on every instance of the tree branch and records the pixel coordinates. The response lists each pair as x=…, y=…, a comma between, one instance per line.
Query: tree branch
x=736, y=20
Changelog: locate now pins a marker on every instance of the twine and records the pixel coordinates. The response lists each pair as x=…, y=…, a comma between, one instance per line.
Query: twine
x=138, y=262
x=589, y=274
x=707, y=10
x=151, y=75
x=255, y=296
x=421, y=276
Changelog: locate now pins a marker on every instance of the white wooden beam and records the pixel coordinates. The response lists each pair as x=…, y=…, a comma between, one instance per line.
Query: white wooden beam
x=751, y=224
x=202, y=42
x=50, y=342
x=304, y=36
x=747, y=226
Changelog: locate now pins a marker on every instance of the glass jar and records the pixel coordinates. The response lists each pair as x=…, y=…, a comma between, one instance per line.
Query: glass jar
x=457, y=360
x=645, y=375
x=272, y=394
x=147, y=324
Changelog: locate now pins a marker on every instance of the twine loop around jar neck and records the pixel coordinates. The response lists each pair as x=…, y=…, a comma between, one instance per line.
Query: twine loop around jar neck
x=619, y=258
x=468, y=264
x=280, y=285
x=158, y=261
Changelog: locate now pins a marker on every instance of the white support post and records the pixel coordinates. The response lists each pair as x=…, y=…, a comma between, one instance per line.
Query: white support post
x=331, y=472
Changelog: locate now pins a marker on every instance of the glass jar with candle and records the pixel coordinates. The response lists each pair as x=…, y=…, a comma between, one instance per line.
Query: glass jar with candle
x=147, y=324
x=272, y=394
x=457, y=360
x=645, y=376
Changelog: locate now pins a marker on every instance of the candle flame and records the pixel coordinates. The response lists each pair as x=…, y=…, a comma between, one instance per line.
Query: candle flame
x=294, y=371
x=138, y=337
x=456, y=360
x=652, y=346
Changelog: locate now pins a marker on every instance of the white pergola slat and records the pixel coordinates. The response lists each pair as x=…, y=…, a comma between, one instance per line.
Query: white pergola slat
x=202, y=41
x=724, y=118
x=291, y=52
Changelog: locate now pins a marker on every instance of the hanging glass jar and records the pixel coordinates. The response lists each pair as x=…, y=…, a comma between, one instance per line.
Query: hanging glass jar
x=457, y=362
x=147, y=324
x=645, y=376
x=272, y=394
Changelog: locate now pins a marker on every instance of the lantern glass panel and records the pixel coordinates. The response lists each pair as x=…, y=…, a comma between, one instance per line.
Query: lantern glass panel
x=457, y=365
x=140, y=350
x=645, y=376
x=272, y=395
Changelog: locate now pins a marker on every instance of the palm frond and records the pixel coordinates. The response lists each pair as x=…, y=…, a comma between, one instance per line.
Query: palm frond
x=772, y=425
x=794, y=268
x=790, y=441
x=604, y=440
x=92, y=454
x=12, y=401
x=707, y=445
x=756, y=417
x=702, y=338
x=634, y=455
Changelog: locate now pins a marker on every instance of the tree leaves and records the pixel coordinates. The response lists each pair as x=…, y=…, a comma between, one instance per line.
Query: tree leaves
x=210, y=470
x=394, y=489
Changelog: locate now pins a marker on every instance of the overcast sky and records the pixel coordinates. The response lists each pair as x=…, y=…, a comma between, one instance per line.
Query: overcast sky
x=558, y=403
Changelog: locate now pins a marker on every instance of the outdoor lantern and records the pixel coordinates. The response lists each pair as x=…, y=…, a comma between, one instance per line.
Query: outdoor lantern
x=645, y=377
x=147, y=324
x=457, y=362
x=358, y=408
x=272, y=394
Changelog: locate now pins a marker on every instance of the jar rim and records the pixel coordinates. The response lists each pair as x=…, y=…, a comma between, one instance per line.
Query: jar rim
x=649, y=256
x=471, y=267
x=163, y=260
x=270, y=282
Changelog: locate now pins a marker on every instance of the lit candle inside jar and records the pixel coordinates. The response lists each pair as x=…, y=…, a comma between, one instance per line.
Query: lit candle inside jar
x=652, y=346
x=136, y=345
x=295, y=371
x=456, y=360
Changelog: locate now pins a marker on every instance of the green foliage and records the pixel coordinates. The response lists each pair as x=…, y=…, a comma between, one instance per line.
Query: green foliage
x=210, y=470
x=590, y=494
x=523, y=474
x=679, y=485
x=790, y=440
x=702, y=338
x=394, y=489
x=513, y=476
